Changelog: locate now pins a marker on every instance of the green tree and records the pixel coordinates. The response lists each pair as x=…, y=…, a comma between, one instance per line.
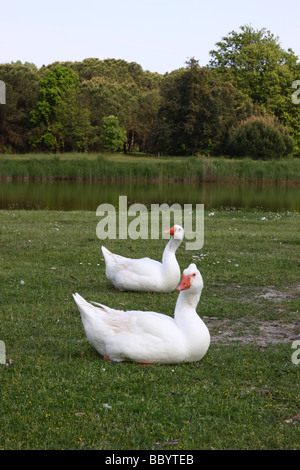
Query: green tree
x=21, y=81
x=113, y=136
x=122, y=89
x=196, y=112
x=255, y=63
x=58, y=120
x=108, y=97
x=145, y=118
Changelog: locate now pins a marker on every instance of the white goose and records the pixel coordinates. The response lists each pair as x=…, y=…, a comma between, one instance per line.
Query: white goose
x=149, y=337
x=146, y=274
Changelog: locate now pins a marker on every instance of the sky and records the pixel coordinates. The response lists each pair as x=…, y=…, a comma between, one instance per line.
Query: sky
x=159, y=35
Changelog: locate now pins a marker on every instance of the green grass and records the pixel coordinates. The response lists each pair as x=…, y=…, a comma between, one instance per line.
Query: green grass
x=138, y=167
x=55, y=386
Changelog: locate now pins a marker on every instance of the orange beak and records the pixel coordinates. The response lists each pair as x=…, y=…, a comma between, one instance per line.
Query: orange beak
x=171, y=231
x=185, y=282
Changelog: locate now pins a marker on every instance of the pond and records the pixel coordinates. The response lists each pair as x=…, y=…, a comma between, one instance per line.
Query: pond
x=69, y=196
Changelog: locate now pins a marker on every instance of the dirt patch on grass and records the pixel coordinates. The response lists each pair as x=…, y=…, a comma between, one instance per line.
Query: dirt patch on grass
x=251, y=330
x=271, y=293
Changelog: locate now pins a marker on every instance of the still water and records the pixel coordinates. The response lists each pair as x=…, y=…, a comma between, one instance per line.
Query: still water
x=69, y=196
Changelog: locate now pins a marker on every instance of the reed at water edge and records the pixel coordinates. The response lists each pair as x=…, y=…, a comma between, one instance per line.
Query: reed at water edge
x=97, y=167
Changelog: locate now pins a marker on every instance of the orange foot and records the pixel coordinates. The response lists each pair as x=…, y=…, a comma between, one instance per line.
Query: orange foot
x=116, y=288
x=146, y=364
x=106, y=358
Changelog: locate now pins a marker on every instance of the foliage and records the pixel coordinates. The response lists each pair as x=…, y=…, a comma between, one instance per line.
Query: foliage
x=255, y=63
x=21, y=94
x=189, y=111
x=113, y=136
x=196, y=112
x=259, y=137
x=58, y=117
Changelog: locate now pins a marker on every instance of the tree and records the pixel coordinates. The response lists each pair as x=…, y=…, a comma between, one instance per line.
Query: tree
x=107, y=97
x=122, y=89
x=59, y=121
x=113, y=136
x=229, y=50
x=255, y=63
x=181, y=95
x=196, y=112
x=21, y=83
x=145, y=118
x=61, y=107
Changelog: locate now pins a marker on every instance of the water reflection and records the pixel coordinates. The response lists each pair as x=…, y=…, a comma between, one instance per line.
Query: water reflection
x=87, y=196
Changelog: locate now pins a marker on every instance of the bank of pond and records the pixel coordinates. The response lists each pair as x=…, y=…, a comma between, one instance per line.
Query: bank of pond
x=140, y=168
x=77, y=182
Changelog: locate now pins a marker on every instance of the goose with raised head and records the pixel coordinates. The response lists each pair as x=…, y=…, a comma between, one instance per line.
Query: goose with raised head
x=149, y=337
x=146, y=274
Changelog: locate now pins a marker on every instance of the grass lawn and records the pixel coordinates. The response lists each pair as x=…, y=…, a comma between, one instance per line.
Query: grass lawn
x=58, y=393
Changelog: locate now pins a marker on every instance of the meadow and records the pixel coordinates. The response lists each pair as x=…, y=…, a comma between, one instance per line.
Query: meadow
x=57, y=392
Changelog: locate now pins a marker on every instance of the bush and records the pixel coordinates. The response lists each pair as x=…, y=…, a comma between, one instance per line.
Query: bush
x=260, y=138
x=113, y=136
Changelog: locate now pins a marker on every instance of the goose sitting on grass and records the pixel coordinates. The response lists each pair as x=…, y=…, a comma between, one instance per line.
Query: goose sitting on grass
x=146, y=274
x=149, y=337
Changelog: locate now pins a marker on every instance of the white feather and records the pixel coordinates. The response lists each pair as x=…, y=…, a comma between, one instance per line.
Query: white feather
x=145, y=336
x=146, y=274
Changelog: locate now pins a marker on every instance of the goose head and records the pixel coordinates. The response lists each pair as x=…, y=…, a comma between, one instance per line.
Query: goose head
x=177, y=232
x=191, y=280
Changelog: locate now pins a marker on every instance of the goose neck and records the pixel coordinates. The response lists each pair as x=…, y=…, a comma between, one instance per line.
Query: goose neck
x=187, y=300
x=171, y=247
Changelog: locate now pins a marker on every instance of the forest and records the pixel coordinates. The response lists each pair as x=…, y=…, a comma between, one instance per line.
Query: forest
x=239, y=105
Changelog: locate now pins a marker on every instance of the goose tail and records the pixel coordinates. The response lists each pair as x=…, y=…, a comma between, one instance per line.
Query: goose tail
x=86, y=307
x=105, y=252
x=80, y=301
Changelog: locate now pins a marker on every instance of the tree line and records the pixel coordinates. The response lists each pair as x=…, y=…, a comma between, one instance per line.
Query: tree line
x=240, y=104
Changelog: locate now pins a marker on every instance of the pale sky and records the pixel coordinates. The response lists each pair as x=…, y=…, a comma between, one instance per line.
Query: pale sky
x=160, y=35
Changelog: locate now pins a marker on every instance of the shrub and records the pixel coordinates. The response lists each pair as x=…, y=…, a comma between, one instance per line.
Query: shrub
x=113, y=136
x=260, y=138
